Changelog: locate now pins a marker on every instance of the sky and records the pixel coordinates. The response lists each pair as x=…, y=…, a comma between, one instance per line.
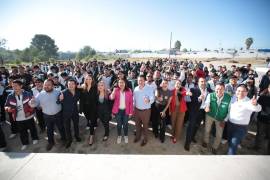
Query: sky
x=107, y=25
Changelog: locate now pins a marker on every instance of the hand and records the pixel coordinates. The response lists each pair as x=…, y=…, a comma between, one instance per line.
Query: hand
x=146, y=100
x=207, y=109
x=201, y=97
x=222, y=124
x=33, y=100
x=8, y=109
x=61, y=97
x=130, y=116
x=162, y=114
x=254, y=101
x=113, y=116
x=160, y=99
x=189, y=93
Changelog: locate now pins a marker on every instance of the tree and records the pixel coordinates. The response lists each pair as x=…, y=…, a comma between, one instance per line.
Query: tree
x=249, y=42
x=205, y=49
x=3, y=43
x=43, y=47
x=177, y=45
x=85, y=52
x=185, y=50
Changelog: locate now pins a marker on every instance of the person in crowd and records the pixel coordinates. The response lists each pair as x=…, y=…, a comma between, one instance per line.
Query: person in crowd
x=143, y=98
x=39, y=115
x=89, y=99
x=197, y=112
x=18, y=103
x=103, y=110
x=265, y=81
x=178, y=107
x=122, y=108
x=263, y=122
x=48, y=101
x=217, y=107
x=231, y=86
x=240, y=110
x=162, y=102
x=69, y=99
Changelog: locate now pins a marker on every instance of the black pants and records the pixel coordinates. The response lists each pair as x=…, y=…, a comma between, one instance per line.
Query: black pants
x=263, y=132
x=2, y=109
x=23, y=126
x=91, y=121
x=40, y=119
x=159, y=122
x=67, y=124
x=13, y=124
x=195, y=119
x=52, y=120
x=3, y=142
x=189, y=108
x=104, y=118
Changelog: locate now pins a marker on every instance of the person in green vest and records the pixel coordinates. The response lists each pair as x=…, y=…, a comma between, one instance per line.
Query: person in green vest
x=216, y=108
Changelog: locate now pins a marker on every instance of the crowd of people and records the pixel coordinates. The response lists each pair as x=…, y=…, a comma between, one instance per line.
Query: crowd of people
x=163, y=94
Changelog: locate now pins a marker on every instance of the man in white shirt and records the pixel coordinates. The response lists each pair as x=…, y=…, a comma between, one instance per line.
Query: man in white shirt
x=240, y=110
x=143, y=98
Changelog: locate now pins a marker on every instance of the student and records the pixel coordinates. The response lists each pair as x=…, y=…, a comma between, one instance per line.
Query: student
x=18, y=103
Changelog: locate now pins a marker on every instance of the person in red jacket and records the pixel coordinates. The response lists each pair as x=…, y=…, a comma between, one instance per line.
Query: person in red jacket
x=178, y=108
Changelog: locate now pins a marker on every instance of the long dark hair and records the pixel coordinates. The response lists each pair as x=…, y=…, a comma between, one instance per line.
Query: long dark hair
x=126, y=84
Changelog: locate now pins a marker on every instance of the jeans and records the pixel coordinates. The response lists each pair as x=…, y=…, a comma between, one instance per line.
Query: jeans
x=236, y=133
x=122, y=121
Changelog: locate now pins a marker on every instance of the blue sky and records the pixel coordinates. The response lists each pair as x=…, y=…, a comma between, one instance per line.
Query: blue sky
x=107, y=25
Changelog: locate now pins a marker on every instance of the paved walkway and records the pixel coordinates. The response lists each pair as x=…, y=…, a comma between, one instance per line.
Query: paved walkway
x=43, y=166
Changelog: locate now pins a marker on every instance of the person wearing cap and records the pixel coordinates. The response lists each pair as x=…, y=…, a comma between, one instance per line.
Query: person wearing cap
x=39, y=115
x=57, y=85
x=213, y=81
x=231, y=86
x=19, y=104
x=216, y=108
x=240, y=109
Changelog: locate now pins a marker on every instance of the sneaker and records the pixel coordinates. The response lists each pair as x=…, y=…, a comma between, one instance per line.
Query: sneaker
x=119, y=138
x=224, y=141
x=23, y=147
x=12, y=136
x=35, y=141
x=87, y=128
x=126, y=139
x=239, y=146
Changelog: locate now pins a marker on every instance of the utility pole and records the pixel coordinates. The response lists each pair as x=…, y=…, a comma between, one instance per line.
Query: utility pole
x=170, y=46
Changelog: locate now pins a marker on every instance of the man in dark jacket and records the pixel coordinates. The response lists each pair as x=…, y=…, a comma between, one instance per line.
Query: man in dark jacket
x=69, y=98
x=196, y=113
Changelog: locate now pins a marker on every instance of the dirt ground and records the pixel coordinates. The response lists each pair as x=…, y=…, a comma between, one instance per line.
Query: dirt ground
x=154, y=146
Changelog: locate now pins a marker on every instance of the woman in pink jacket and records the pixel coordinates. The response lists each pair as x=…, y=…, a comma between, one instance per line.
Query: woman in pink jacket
x=122, y=108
